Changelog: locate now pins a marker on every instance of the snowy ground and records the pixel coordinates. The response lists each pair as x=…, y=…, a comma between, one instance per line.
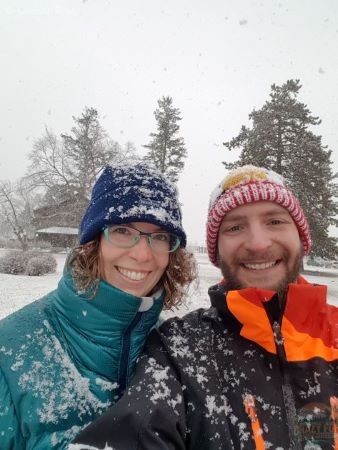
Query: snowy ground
x=18, y=290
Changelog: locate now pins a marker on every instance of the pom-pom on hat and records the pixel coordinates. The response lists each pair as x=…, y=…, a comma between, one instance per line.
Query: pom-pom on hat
x=249, y=184
x=133, y=192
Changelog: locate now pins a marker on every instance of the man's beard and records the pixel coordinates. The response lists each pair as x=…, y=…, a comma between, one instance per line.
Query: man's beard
x=292, y=273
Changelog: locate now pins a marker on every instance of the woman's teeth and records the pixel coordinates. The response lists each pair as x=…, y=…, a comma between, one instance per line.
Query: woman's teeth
x=136, y=276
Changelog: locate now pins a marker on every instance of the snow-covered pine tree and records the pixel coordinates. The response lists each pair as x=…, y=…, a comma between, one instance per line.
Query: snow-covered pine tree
x=86, y=148
x=167, y=151
x=280, y=138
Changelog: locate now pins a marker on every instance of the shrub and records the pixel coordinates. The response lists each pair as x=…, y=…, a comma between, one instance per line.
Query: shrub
x=12, y=263
x=27, y=255
x=30, y=263
x=40, y=265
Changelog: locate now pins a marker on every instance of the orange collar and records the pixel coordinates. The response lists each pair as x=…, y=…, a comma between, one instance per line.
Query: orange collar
x=309, y=324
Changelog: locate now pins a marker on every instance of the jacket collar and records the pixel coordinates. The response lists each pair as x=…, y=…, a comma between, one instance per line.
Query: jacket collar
x=307, y=321
x=92, y=328
x=313, y=296
x=110, y=309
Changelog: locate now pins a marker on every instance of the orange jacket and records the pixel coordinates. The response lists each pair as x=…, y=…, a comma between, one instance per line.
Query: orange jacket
x=304, y=330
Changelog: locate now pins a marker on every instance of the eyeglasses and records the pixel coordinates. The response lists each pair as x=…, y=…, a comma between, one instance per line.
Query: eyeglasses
x=127, y=237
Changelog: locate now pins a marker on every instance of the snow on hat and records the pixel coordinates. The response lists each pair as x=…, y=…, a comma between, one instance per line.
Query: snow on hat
x=249, y=184
x=132, y=192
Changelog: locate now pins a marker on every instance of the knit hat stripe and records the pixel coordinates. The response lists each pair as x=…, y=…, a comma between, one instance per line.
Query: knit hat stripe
x=246, y=195
x=301, y=222
x=250, y=184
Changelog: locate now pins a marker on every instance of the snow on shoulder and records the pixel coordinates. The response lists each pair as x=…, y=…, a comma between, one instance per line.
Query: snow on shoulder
x=88, y=447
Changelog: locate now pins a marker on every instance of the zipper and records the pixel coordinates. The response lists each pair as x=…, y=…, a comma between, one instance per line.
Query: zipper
x=124, y=356
x=289, y=401
x=288, y=398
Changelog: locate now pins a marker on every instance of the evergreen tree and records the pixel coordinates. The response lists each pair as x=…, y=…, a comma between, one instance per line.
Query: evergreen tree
x=166, y=150
x=87, y=150
x=280, y=138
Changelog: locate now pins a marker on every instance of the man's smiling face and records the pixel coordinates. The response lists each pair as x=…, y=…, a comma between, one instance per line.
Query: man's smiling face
x=259, y=246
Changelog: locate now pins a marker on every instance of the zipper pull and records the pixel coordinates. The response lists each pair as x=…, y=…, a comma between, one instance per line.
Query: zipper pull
x=250, y=409
x=277, y=334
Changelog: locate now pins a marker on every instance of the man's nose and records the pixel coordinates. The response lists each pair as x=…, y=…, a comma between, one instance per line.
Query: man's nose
x=258, y=239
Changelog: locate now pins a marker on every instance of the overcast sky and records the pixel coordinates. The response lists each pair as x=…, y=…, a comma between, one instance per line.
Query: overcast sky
x=216, y=58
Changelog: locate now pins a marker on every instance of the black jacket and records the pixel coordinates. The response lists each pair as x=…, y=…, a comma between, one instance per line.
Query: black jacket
x=251, y=372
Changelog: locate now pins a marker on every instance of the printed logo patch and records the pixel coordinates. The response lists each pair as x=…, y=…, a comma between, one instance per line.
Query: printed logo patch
x=316, y=426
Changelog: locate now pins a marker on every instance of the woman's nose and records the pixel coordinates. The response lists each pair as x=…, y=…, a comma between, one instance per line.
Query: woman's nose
x=142, y=250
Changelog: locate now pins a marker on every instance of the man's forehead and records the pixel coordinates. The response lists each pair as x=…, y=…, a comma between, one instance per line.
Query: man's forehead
x=263, y=209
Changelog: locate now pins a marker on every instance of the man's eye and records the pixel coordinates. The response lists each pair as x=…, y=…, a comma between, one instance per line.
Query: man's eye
x=234, y=228
x=276, y=222
x=163, y=237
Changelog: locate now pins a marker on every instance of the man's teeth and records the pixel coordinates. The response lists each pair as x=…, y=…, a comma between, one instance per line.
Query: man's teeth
x=137, y=276
x=259, y=266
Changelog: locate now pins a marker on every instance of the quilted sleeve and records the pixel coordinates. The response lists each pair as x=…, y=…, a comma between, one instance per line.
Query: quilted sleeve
x=150, y=416
x=10, y=433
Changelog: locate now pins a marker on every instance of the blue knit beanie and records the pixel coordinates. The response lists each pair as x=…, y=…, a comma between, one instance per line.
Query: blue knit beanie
x=133, y=192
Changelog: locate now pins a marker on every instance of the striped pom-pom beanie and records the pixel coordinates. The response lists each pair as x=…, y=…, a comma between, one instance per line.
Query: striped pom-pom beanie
x=249, y=184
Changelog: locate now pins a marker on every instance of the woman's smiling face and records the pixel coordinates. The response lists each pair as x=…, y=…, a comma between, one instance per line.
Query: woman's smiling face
x=135, y=270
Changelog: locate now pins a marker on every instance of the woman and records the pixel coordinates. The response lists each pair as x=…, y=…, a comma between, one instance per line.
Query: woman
x=67, y=357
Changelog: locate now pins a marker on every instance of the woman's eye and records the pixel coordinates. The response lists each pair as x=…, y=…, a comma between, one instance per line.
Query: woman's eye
x=121, y=230
x=276, y=222
x=163, y=237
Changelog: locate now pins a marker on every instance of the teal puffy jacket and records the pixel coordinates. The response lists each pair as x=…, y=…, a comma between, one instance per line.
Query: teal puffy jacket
x=65, y=359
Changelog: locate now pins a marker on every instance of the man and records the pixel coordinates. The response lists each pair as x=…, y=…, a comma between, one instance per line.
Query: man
x=258, y=370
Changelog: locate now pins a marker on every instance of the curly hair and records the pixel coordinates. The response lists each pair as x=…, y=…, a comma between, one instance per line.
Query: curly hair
x=85, y=269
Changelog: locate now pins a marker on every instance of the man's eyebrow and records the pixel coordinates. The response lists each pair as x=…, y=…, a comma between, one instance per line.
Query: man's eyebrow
x=270, y=213
x=277, y=212
x=234, y=218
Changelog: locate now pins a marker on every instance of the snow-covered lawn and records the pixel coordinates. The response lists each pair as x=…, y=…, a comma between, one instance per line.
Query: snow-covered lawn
x=19, y=290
